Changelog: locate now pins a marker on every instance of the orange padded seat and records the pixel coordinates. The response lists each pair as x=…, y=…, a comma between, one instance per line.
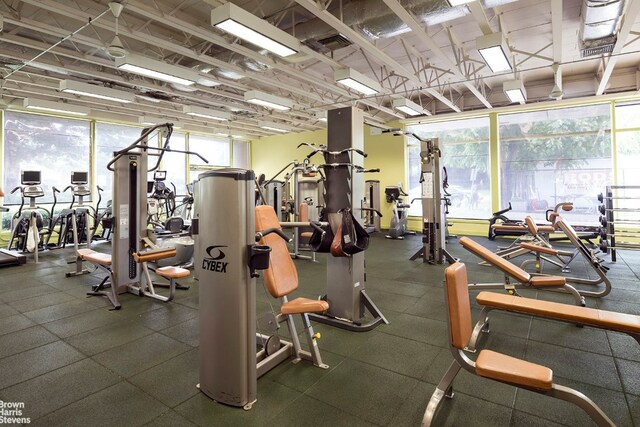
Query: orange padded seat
x=304, y=217
x=304, y=305
x=620, y=322
x=540, y=249
x=543, y=281
x=93, y=256
x=286, y=280
x=501, y=367
x=509, y=268
x=509, y=227
x=171, y=272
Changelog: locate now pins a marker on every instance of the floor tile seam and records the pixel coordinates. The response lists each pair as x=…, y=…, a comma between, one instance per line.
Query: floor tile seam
x=57, y=338
x=43, y=345
x=19, y=330
x=95, y=354
x=79, y=333
x=386, y=369
x=155, y=366
x=64, y=317
x=122, y=379
x=46, y=306
x=92, y=357
x=330, y=405
x=77, y=400
x=446, y=346
x=29, y=297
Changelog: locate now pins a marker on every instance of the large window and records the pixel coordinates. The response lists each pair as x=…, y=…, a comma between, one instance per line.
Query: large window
x=465, y=155
x=217, y=151
x=55, y=146
x=241, y=155
x=176, y=163
x=110, y=138
x=553, y=156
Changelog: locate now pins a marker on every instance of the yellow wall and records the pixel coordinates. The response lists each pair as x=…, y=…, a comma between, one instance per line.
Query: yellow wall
x=385, y=151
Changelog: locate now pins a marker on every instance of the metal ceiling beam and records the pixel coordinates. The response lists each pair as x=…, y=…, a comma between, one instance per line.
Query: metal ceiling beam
x=410, y=20
x=207, y=34
x=370, y=48
x=628, y=20
x=477, y=11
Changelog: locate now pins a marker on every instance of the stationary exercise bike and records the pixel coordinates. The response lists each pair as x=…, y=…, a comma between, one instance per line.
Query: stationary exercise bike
x=398, y=225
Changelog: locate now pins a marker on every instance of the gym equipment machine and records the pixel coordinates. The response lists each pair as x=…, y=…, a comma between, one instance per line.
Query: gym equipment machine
x=344, y=188
x=227, y=258
x=32, y=224
x=433, y=248
x=398, y=224
x=372, y=201
x=130, y=168
x=74, y=222
x=7, y=257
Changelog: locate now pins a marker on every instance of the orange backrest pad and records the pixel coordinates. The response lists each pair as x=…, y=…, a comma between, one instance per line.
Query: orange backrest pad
x=493, y=259
x=281, y=278
x=1, y=192
x=532, y=226
x=303, y=210
x=458, y=303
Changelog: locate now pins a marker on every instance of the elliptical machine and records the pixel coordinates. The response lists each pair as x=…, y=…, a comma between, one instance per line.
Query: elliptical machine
x=398, y=225
x=29, y=232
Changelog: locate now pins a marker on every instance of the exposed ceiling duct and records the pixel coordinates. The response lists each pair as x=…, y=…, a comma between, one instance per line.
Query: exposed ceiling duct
x=600, y=23
x=376, y=20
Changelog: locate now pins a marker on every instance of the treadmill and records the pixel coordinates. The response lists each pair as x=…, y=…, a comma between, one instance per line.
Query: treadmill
x=9, y=258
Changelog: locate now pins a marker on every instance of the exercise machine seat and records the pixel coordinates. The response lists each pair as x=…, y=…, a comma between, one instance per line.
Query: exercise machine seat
x=501, y=367
x=544, y=281
x=458, y=305
x=509, y=227
x=619, y=322
x=539, y=249
x=171, y=272
x=510, y=268
x=304, y=305
x=304, y=217
x=281, y=278
x=93, y=256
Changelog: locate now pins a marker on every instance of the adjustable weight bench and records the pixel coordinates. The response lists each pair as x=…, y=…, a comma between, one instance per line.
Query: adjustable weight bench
x=280, y=280
x=493, y=365
x=511, y=270
x=103, y=261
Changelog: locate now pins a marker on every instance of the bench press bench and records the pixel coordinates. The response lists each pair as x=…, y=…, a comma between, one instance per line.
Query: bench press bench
x=103, y=261
x=511, y=270
x=511, y=370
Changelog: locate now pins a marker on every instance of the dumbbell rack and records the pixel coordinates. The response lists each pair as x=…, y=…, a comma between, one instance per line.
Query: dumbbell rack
x=609, y=242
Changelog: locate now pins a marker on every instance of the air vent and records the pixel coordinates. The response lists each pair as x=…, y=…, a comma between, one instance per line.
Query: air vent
x=335, y=42
x=597, y=47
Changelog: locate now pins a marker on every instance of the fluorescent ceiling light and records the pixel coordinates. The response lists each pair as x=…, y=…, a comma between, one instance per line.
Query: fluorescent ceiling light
x=495, y=52
x=54, y=107
x=454, y=3
x=515, y=91
x=276, y=127
x=205, y=81
x=205, y=113
x=157, y=70
x=100, y=92
x=267, y=100
x=408, y=107
x=237, y=21
x=356, y=81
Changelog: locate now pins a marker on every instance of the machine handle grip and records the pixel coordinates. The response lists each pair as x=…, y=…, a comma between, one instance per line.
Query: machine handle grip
x=278, y=231
x=16, y=189
x=65, y=189
x=55, y=190
x=99, y=188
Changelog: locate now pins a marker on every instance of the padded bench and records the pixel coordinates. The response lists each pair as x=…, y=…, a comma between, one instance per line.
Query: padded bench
x=512, y=270
x=493, y=365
